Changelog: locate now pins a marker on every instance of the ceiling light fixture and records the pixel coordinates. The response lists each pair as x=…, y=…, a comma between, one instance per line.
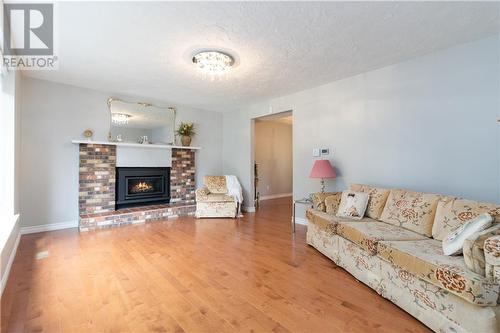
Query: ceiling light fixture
x=213, y=64
x=120, y=118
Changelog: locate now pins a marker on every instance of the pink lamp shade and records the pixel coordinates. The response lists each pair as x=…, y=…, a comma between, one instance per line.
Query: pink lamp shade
x=322, y=169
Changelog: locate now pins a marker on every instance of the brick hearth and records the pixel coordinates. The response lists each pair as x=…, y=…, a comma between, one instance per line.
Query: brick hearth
x=134, y=216
x=97, y=189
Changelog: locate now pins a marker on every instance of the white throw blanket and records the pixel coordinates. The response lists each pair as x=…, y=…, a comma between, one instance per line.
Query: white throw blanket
x=234, y=190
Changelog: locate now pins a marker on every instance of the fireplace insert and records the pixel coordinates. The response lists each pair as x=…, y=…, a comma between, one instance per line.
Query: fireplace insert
x=141, y=186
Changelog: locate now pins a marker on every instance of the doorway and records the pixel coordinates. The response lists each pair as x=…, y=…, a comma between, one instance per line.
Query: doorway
x=273, y=157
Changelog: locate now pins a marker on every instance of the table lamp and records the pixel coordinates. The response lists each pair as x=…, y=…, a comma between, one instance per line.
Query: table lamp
x=322, y=169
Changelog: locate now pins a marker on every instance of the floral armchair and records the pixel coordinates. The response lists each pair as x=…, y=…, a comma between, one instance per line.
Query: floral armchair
x=212, y=199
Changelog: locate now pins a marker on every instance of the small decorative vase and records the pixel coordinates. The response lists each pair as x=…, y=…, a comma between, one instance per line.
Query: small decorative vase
x=186, y=140
x=88, y=134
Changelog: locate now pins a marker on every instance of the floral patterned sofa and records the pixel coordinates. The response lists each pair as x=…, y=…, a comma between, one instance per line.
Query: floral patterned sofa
x=212, y=199
x=396, y=250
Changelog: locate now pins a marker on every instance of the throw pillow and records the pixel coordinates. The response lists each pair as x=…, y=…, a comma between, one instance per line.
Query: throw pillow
x=378, y=198
x=453, y=212
x=353, y=204
x=411, y=210
x=319, y=200
x=453, y=243
x=332, y=203
x=215, y=184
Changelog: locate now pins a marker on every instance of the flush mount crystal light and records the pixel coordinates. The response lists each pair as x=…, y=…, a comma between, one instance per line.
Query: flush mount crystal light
x=120, y=118
x=213, y=63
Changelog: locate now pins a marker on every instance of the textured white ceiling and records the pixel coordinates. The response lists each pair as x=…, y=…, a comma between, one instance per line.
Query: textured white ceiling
x=143, y=48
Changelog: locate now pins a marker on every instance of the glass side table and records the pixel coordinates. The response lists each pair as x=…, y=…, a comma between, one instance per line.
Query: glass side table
x=303, y=201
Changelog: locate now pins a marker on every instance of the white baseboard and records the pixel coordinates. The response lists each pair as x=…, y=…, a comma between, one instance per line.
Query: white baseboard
x=249, y=209
x=275, y=196
x=301, y=220
x=49, y=227
x=5, y=274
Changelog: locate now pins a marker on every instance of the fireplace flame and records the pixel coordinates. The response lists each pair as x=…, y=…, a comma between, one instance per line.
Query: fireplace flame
x=142, y=187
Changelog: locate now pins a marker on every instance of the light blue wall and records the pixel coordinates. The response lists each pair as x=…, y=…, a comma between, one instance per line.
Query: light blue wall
x=427, y=124
x=53, y=114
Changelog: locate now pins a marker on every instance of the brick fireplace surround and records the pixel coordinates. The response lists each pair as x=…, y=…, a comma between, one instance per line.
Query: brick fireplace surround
x=97, y=189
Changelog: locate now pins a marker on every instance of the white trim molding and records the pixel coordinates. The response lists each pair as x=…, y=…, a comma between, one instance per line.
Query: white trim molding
x=12, y=256
x=48, y=227
x=275, y=196
x=300, y=220
x=6, y=273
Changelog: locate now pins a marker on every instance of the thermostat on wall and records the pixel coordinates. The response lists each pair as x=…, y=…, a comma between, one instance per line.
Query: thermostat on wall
x=316, y=152
x=325, y=151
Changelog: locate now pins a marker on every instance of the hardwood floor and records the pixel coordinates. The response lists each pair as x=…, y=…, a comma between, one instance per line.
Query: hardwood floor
x=187, y=275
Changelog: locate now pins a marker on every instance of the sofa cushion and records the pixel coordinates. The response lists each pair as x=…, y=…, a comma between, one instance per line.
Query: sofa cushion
x=368, y=234
x=332, y=203
x=425, y=259
x=453, y=212
x=216, y=209
x=327, y=222
x=202, y=192
x=474, y=249
x=319, y=198
x=215, y=184
x=377, y=200
x=214, y=197
x=411, y=210
x=322, y=220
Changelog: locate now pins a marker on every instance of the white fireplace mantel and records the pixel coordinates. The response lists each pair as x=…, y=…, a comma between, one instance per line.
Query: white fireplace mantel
x=131, y=144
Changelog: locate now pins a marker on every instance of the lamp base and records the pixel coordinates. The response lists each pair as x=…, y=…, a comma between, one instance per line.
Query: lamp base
x=322, y=185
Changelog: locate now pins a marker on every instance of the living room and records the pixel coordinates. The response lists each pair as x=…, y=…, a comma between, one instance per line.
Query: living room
x=131, y=177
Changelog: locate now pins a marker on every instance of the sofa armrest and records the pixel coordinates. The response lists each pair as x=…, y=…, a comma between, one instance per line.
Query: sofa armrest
x=492, y=257
x=319, y=200
x=201, y=193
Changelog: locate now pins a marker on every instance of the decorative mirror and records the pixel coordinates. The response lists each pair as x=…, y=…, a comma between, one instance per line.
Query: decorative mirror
x=140, y=122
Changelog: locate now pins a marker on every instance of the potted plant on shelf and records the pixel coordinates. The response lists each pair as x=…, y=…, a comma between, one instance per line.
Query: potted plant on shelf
x=186, y=132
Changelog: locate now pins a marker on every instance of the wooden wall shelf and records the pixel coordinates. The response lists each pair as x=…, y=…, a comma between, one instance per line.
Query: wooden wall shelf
x=132, y=144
